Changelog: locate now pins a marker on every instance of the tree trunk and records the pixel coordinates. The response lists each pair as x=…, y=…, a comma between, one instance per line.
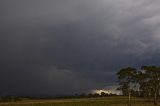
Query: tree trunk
x=129, y=98
x=155, y=98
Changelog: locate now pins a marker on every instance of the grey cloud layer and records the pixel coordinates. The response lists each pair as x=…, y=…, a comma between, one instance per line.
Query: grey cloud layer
x=81, y=43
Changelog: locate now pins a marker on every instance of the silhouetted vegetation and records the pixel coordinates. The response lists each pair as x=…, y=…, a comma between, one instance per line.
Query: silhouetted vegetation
x=143, y=82
x=83, y=95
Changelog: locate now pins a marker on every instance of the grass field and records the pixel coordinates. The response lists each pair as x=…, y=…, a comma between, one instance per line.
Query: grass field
x=107, y=101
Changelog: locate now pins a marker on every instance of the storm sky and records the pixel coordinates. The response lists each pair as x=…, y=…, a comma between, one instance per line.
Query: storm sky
x=62, y=47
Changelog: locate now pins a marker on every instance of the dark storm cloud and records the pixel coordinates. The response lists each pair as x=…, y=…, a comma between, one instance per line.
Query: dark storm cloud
x=48, y=44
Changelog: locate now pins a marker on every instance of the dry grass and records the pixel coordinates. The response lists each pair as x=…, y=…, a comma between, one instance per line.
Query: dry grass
x=108, y=101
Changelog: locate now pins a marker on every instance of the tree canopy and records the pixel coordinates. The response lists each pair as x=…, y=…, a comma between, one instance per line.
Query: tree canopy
x=144, y=82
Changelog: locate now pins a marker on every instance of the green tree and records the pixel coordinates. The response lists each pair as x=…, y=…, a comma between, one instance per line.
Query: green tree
x=126, y=79
x=152, y=81
x=144, y=86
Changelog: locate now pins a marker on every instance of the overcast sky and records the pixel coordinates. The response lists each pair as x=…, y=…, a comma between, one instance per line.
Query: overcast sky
x=60, y=47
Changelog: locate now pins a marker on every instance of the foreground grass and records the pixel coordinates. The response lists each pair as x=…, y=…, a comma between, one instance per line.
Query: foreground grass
x=107, y=101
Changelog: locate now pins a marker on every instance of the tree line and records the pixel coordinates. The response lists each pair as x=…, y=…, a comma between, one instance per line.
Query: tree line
x=142, y=82
x=84, y=95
